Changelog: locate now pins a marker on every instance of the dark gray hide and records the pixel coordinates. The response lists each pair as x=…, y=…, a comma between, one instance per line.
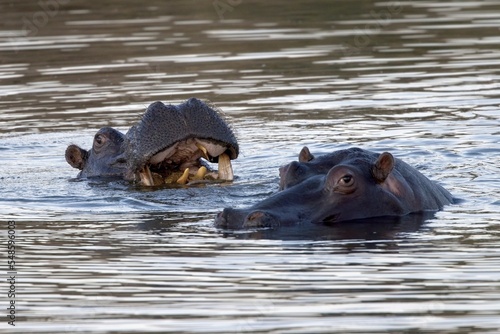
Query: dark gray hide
x=345, y=185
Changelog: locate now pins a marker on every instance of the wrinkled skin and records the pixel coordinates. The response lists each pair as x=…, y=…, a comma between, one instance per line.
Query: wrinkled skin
x=352, y=184
x=168, y=141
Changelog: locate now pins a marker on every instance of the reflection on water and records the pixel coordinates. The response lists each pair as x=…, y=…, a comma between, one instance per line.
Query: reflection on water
x=419, y=79
x=383, y=229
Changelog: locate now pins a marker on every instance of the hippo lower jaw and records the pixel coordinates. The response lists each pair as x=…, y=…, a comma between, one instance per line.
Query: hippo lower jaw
x=185, y=156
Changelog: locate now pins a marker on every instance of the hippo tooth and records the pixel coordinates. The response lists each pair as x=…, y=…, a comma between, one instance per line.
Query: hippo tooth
x=225, y=168
x=146, y=177
x=200, y=174
x=184, y=178
x=204, y=150
x=211, y=149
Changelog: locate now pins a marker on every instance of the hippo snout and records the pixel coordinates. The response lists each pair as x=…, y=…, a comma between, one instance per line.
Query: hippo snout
x=260, y=219
x=234, y=218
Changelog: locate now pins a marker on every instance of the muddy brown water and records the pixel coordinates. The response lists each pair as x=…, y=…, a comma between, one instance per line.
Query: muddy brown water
x=417, y=78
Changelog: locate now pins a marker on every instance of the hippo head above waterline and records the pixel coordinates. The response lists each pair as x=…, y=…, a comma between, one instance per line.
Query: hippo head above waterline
x=165, y=146
x=346, y=185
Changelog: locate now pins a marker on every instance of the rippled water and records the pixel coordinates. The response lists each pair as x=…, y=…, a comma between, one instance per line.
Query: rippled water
x=417, y=78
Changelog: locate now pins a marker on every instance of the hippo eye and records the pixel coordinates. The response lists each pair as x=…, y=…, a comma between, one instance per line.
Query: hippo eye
x=346, y=180
x=99, y=141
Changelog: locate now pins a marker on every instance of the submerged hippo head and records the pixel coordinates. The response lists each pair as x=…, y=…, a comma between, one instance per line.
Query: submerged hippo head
x=345, y=185
x=165, y=146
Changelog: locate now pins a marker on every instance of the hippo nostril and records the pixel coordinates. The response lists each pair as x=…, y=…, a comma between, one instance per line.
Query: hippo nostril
x=255, y=215
x=260, y=219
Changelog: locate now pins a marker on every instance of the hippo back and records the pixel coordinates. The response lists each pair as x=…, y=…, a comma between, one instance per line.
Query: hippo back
x=428, y=195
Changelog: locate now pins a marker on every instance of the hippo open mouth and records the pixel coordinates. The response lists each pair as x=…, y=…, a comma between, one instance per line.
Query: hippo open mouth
x=168, y=142
x=166, y=146
x=180, y=163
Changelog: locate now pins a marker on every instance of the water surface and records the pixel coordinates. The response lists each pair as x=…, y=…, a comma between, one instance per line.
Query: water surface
x=418, y=78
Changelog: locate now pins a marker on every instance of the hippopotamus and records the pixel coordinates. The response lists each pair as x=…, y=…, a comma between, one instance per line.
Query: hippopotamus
x=165, y=146
x=346, y=185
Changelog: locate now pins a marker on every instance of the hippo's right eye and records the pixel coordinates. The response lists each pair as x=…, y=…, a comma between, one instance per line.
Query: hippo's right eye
x=341, y=180
x=346, y=180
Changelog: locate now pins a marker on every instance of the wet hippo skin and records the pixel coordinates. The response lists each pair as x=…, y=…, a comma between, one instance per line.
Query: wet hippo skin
x=345, y=185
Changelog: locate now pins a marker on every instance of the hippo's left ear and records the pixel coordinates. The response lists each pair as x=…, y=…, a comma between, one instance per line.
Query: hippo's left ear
x=305, y=155
x=383, y=166
x=76, y=156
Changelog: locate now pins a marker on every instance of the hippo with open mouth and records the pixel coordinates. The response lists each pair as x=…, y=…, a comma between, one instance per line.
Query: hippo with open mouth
x=165, y=146
x=345, y=185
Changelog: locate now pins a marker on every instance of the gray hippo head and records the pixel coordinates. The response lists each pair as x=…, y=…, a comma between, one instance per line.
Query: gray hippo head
x=345, y=185
x=105, y=158
x=165, y=146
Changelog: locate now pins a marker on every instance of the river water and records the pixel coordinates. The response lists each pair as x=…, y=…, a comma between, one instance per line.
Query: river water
x=420, y=79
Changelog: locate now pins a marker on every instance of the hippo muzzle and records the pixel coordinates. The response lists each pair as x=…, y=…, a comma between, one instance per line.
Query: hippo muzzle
x=234, y=218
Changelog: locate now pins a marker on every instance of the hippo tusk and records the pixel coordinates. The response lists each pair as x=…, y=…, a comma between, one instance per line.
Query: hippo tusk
x=225, y=168
x=200, y=174
x=146, y=177
x=184, y=178
x=203, y=150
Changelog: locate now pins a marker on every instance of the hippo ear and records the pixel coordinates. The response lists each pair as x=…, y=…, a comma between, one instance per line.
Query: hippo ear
x=383, y=166
x=76, y=156
x=305, y=155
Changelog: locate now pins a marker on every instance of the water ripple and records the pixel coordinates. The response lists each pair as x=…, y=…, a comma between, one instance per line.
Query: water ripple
x=101, y=256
